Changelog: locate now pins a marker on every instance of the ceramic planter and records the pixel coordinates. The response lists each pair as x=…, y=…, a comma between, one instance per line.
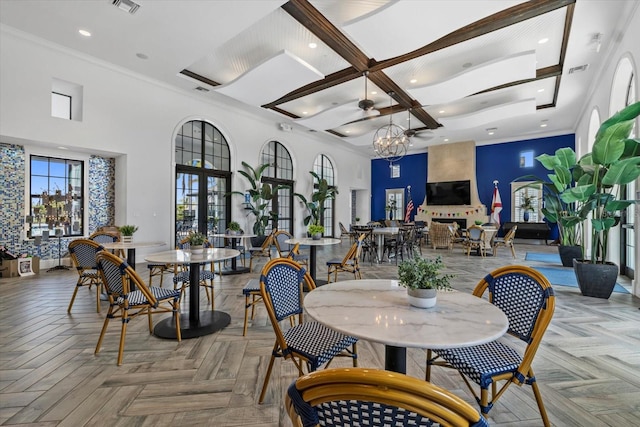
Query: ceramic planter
x=198, y=249
x=595, y=280
x=316, y=236
x=127, y=239
x=568, y=254
x=422, y=298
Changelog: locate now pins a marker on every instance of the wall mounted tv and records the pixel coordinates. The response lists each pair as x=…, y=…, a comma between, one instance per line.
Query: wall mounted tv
x=449, y=193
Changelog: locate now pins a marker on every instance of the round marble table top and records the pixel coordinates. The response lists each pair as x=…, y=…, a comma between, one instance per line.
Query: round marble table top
x=379, y=311
x=386, y=230
x=234, y=236
x=189, y=257
x=308, y=241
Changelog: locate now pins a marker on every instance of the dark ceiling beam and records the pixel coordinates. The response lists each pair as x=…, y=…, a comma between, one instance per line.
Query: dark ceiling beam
x=199, y=78
x=563, y=50
x=541, y=74
x=497, y=21
x=314, y=21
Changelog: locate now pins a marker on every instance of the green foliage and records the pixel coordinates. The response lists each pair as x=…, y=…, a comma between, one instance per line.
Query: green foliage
x=197, y=239
x=234, y=226
x=321, y=193
x=478, y=222
x=128, y=230
x=261, y=195
x=315, y=229
x=527, y=203
x=421, y=273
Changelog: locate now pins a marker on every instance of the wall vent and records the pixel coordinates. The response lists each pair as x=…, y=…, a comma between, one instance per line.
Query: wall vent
x=126, y=5
x=578, y=68
x=202, y=89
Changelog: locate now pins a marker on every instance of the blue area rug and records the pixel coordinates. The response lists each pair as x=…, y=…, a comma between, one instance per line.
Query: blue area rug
x=543, y=257
x=566, y=277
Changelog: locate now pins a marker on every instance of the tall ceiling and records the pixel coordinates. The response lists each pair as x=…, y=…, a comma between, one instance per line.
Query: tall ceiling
x=489, y=71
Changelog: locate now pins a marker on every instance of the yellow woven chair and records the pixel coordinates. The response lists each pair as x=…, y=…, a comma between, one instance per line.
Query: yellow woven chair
x=506, y=241
x=440, y=236
x=358, y=396
x=349, y=264
x=309, y=344
x=526, y=297
x=83, y=255
x=263, y=251
x=129, y=297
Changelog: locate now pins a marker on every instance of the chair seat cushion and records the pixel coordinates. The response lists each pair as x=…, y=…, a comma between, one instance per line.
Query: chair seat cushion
x=90, y=274
x=161, y=294
x=316, y=342
x=339, y=262
x=251, y=287
x=183, y=276
x=483, y=361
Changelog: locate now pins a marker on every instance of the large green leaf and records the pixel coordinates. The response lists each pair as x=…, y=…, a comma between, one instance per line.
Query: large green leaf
x=609, y=145
x=628, y=113
x=578, y=193
x=622, y=172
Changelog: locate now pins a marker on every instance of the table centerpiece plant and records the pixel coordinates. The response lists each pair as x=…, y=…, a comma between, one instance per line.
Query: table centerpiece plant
x=127, y=232
x=315, y=231
x=196, y=241
x=422, y=278
x=234, y=228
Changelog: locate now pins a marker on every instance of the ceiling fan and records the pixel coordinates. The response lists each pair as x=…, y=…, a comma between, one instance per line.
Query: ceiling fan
x=365, y=104
x=422, y=133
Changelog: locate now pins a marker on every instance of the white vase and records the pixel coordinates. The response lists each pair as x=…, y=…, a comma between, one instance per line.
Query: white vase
x=197, y=249
x=422, y=298
x=127, y=239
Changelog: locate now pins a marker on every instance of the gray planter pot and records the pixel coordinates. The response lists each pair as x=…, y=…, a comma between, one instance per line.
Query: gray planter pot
x=568, y=254
x=595, y=280
x=316, y=236
x=422, y=298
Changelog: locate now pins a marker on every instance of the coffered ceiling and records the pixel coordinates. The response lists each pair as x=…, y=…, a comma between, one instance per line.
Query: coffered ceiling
x=489, y=71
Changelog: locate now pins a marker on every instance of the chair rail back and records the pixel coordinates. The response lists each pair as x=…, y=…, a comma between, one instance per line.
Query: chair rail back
x=83, y=253
x=120, y=279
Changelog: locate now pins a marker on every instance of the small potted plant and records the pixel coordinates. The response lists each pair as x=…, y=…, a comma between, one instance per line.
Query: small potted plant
x=478, y=222
x=127, y=232
x=357, y=220
x=422, y=278
x=196, y=241
x=234, y=228
x=315, y=230
x=527, y=206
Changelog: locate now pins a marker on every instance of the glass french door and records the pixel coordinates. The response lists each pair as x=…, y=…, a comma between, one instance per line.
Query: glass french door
x=201, y=203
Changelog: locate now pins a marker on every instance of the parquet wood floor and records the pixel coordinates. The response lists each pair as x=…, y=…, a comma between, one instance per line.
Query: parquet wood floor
x=588, y=366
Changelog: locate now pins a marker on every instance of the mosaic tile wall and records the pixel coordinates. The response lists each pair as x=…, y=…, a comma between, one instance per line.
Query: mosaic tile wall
x=12, y=204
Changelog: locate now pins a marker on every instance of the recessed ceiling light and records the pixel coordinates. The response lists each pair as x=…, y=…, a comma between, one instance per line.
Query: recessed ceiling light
x=543, y=41
x=413, y=80
x=85, y=33
x=374, y=92
x=540, y=90
x=446, y=140
x=142, y=56
x=347, y=131
x=313, y=45
x=305, y=112
x=62, y=148
x=543, y=125
x=441, y=111
x=492, y=131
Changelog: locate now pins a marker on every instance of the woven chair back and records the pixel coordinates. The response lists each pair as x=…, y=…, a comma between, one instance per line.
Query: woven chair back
x=83, y=253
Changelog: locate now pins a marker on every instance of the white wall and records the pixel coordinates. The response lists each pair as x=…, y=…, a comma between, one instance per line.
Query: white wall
x=626, y=46
x=134, y=119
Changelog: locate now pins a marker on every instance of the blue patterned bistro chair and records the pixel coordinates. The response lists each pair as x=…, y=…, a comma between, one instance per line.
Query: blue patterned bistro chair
x=181, y=276
x=83, y=255
x=307, y=343
x=371, y=397
x=129, y=297
x=527, y=299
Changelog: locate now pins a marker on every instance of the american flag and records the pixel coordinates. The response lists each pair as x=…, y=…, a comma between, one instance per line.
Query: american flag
x=407, y=216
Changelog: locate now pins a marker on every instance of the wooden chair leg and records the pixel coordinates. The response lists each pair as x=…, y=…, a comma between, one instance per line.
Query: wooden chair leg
x=98, y=292
x=538, y=396
x=73, y=298
x=268, y=375
x=176, y=315
x=123, y=333
x=104, y=329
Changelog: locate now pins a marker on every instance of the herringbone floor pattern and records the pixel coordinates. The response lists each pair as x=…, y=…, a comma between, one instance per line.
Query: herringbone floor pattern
x=588, y=366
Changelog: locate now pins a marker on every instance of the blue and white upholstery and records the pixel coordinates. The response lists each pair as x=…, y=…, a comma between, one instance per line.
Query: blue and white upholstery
x=371, y=397
x=281, y=284
x=206, y=276
x=252, y=296
x=526, y=298
x=83, y=255
x=130, y=297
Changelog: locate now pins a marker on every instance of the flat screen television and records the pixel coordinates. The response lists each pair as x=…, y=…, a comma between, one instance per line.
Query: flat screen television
x=449, y=193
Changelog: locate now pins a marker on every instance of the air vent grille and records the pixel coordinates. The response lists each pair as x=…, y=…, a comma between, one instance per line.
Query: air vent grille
x=202, y=89
x=578, y=68
x=126, y=5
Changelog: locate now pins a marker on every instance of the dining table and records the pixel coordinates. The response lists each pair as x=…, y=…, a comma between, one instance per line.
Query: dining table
x=195, y=323
x=381, y=233
x=378, y=310
x=313, y=245
x=234, y=238
x=131, y=248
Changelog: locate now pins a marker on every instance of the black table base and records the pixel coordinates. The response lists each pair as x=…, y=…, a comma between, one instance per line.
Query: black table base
x=395, y=359
x=229, y=271
x=208, y=323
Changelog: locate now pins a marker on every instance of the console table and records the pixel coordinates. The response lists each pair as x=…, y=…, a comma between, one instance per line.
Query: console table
x=529, y=230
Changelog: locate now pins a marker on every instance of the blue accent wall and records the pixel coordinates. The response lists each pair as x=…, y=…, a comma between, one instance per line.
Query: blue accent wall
x=413, y=172
x=498, y=161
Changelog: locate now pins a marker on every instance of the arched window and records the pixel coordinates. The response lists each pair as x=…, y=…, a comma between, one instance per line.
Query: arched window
x=280, y=173
x=324, y=168
x=203, y=179
x=594, y=124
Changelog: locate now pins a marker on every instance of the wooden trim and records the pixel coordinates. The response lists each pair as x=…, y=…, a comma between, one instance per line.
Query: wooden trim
x=198, y=77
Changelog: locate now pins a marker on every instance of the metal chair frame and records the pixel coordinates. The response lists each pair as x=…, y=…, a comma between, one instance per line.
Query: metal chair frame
x=83, y=255
x=349, y=264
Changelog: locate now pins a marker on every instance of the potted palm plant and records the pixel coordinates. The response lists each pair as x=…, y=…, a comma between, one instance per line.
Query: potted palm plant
x=260, y=196
x=600, y=175
x=234, y=228
x=422, y=278
x=322, y=192
x=526, y=206
x=127, y=232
